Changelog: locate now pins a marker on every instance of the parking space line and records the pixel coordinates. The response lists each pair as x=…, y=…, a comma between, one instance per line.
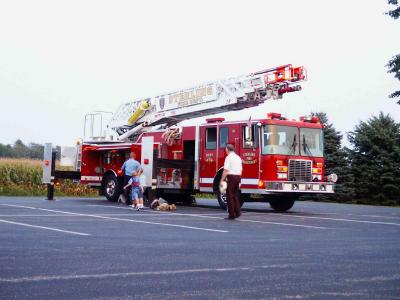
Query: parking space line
x=383, y=217
x=131, y=274
x=210, y=216
x=150, y=210
x=338, y=219
x=44, y=227
x=118, y=219
x=241, y=220
x=64, y=215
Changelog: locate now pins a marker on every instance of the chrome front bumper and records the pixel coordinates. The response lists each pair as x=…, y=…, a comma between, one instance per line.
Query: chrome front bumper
x=299, y=187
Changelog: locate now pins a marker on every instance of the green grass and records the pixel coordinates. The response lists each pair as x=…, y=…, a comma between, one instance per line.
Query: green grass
x=23, y=177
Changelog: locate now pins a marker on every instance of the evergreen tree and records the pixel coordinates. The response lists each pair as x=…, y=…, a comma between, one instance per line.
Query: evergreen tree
x=394, y=63
x=375, y=159
x=395, y=12
x=336, y=160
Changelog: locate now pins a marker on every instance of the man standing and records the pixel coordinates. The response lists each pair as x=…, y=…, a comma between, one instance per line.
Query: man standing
x=128, y=167
x=232, y=172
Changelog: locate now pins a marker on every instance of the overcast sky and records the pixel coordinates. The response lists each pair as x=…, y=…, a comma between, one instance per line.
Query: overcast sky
x=62, y=59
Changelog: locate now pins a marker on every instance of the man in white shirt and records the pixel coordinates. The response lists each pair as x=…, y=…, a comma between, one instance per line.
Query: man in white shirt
x=232, y=172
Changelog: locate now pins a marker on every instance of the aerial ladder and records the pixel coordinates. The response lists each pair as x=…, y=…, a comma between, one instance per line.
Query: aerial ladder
x=140, y=115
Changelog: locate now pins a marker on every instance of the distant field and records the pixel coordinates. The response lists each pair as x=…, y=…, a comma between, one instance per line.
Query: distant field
x=23, y=177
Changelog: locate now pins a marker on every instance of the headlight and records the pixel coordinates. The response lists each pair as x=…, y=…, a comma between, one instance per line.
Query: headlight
x=332, y=178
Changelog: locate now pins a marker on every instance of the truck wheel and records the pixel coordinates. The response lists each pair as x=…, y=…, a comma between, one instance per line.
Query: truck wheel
x=282, y=204
x=221, y=197
x=111, y=188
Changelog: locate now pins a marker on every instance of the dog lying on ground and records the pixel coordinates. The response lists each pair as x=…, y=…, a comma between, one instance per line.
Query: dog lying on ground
x=162, y=205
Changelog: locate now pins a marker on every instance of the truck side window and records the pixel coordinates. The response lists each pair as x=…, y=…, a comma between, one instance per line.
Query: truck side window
x=223, y=137
x=211, y=138
x=250, y=136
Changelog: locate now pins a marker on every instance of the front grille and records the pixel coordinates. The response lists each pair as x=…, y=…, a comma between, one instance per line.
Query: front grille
x=300, y=170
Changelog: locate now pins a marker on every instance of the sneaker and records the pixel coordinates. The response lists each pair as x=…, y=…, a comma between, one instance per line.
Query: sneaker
x=138, y=208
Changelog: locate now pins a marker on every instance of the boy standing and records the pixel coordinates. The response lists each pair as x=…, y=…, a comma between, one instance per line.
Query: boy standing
x=142, y=184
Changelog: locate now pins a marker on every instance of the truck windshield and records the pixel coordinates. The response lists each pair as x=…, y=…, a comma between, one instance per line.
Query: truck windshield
x=311, y=141
x=280, y=140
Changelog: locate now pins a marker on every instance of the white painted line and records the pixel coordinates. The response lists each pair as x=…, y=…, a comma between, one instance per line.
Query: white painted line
x=395, y=277
x=150, y=210
x=241, y=220
x=63, y=215
x=119, y=219
x=219, y=218
x=284, y=224
x=43, y=227
x=337, y=219
x=383, y=217
x=147, y=208
x=132, y=274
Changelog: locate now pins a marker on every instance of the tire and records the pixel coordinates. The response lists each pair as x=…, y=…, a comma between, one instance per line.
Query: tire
x=112, y=188
x=221, y=197
x=282, y=204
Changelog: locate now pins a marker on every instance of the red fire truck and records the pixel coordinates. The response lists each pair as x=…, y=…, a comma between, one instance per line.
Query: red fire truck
x=282, y=159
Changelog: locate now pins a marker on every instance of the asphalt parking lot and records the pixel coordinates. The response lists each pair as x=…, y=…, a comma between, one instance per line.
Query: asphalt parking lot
x=93, y=249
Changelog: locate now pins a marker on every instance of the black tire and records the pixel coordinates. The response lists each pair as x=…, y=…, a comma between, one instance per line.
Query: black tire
x=221, y=197
x=282, y=204
x=112, y=188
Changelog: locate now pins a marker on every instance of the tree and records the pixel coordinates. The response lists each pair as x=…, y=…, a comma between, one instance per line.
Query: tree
x=394, y=64
x=375, y=159
x=394, y=13
x=6, y=151
x=20, y=149
x=336, y=160
x=36, y=151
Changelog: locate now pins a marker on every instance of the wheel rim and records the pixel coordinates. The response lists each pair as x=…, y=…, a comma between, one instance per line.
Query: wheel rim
x=110, y=189
x=222, y=197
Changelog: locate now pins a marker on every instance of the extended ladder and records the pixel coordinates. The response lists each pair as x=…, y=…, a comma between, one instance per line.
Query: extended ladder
x=231, y=94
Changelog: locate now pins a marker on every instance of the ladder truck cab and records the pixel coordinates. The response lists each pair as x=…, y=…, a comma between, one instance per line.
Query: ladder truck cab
x=282, y=159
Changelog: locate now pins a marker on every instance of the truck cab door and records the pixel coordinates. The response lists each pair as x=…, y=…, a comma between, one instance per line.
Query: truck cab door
x=208, y=154
x=250, y=153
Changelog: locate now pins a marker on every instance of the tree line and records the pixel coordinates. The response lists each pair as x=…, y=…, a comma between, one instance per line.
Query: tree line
x=20, y=150
x=369, y=170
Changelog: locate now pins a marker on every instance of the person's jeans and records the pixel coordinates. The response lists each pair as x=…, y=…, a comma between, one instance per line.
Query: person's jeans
x=232, y=196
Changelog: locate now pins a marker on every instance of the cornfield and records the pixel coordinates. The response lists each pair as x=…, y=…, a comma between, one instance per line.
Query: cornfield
x=23, y=177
